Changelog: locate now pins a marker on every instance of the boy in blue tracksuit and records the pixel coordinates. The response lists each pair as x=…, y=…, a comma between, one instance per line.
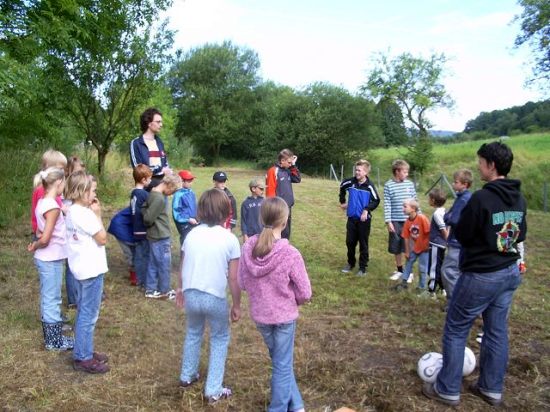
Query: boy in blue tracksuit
x=184, y=206
x=450, y=271
x=362, y=200
x=250, y=210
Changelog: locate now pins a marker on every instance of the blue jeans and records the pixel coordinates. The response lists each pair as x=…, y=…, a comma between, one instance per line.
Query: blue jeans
x=51, y=275
x=141, y=260
x=158, y=269
x=423, y=259
x=70, y=287
x=200, y=308
x=89, y=293
x=489, y=294
x=285, y=395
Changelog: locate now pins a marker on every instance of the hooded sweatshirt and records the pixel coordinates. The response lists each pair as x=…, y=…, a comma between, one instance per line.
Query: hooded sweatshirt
x=276, y=283
x=491, y=225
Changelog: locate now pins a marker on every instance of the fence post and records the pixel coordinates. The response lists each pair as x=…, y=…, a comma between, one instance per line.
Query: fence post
x=545, y=197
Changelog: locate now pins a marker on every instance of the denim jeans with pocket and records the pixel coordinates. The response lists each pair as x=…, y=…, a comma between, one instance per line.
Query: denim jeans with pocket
x=141, y=260
x=89, y=292
x=202, y=308
x=279, y=339
x=423, y=259
x=489, y=294
x=51, y=276
x=160, y=265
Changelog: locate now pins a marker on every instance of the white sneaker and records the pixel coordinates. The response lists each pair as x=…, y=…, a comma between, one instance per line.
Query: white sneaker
x=411, y=278
x=396, y=275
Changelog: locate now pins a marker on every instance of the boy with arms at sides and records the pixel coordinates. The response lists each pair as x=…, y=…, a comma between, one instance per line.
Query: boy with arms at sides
x=250, y=210
x=184, y=206
x=156, y=216
x=279, y=180
x=450, y=271
x=396, y=191
x=416, y=233
x=142, y=177
x=362, y=200
x=438, y=242
x=220, y=182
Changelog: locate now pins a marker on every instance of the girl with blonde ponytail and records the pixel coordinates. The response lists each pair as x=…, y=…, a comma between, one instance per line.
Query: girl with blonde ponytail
x=274, y=275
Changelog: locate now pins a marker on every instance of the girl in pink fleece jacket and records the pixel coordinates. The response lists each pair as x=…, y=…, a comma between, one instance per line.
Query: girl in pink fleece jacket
x=273, y=273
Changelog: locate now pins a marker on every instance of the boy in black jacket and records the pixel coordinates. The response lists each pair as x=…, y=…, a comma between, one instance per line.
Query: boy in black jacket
x=491, y=225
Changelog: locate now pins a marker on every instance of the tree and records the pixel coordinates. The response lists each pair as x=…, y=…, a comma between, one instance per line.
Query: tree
x=415, y=85
x=101, y=58
x=391, y=122
x=213, y=89
x=535, y=30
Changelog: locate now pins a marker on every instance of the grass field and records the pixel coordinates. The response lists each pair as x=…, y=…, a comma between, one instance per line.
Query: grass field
x=357, y=342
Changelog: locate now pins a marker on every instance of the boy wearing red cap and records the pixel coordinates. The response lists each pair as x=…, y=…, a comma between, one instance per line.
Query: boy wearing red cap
x=184, y=206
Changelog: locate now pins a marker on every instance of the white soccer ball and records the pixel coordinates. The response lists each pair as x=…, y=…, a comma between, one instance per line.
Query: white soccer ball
x=469, y=362
x=429, y=366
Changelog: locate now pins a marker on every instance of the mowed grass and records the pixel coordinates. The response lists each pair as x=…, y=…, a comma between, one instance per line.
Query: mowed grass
x=357, y=342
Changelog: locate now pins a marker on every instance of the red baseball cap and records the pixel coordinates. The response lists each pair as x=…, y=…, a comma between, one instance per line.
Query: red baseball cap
x=186, y=175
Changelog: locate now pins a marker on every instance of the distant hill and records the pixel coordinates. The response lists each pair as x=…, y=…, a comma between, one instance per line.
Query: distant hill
x=442, y=134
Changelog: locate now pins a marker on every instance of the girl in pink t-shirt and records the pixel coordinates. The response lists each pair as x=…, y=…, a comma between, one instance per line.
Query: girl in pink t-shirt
x=49, y=257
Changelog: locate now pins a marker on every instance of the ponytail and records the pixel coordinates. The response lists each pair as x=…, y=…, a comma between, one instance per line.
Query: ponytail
x=273, y=214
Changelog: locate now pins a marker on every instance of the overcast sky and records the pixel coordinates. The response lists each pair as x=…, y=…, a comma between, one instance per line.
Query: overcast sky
x=303, y=41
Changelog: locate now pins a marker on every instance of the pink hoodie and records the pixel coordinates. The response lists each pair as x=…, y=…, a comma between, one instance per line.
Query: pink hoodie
x=276, y=283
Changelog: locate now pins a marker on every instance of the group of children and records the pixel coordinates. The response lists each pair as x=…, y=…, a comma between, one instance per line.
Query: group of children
x=68, y=235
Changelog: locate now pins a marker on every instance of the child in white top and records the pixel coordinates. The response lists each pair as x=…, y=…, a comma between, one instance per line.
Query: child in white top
x=209, y=259
x=49, y=257
x=86, y=239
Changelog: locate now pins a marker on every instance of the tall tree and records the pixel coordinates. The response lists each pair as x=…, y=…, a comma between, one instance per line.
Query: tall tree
x=416, y=86
x=535, y=31
x=213, y=88
x=102, y=58
x=391, y=122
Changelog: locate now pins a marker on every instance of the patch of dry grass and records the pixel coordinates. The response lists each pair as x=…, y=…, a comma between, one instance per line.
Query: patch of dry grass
x=357, y=343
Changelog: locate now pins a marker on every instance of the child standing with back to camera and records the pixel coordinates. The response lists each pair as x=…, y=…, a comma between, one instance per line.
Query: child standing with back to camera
x=86, y=239
x=274, y=275
x=49, y=257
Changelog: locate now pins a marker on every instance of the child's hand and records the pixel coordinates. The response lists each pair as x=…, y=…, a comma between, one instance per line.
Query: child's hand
x=30, y=246
x=235, y=313
x=364, y=215
x=180, y=300
x=293, y=160
x=95, y=206
x=344, y=206
x=193, y=221
x=391, y=229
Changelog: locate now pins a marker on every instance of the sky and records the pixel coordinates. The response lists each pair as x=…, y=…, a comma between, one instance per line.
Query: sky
x=300, y=42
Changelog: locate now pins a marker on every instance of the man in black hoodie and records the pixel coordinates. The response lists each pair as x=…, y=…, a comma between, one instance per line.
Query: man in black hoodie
x=490, y=227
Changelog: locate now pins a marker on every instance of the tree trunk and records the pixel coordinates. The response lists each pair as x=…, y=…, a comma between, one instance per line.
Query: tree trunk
x=101, y=157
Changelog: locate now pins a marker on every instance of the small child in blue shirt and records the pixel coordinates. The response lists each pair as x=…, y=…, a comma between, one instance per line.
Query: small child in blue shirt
x=184, y=206
x=142, y=177
x=250, y=210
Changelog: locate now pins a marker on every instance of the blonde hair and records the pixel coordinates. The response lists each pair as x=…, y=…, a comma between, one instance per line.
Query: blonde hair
x=273, y=213
x=50, y=158
x=399, y=164
x=172, y=182
x=50, y=176
x=464, y=176
x=78, y=184
x=413, y=203
x=214, y=207
x=364, y=163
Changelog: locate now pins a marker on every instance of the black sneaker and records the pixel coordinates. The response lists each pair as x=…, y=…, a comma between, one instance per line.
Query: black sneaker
x=474, y=389
x=429, y=391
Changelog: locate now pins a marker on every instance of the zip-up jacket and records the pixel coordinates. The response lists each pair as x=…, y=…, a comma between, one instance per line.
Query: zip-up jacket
x=279, y=181
x=453, y=215
x=491, y=225
x=184, y=206
x=137, y=198
x=250, y=215
x=355, y=200
x=139, y=153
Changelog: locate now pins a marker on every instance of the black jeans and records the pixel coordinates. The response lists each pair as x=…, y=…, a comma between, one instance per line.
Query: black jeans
x=358, y=232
